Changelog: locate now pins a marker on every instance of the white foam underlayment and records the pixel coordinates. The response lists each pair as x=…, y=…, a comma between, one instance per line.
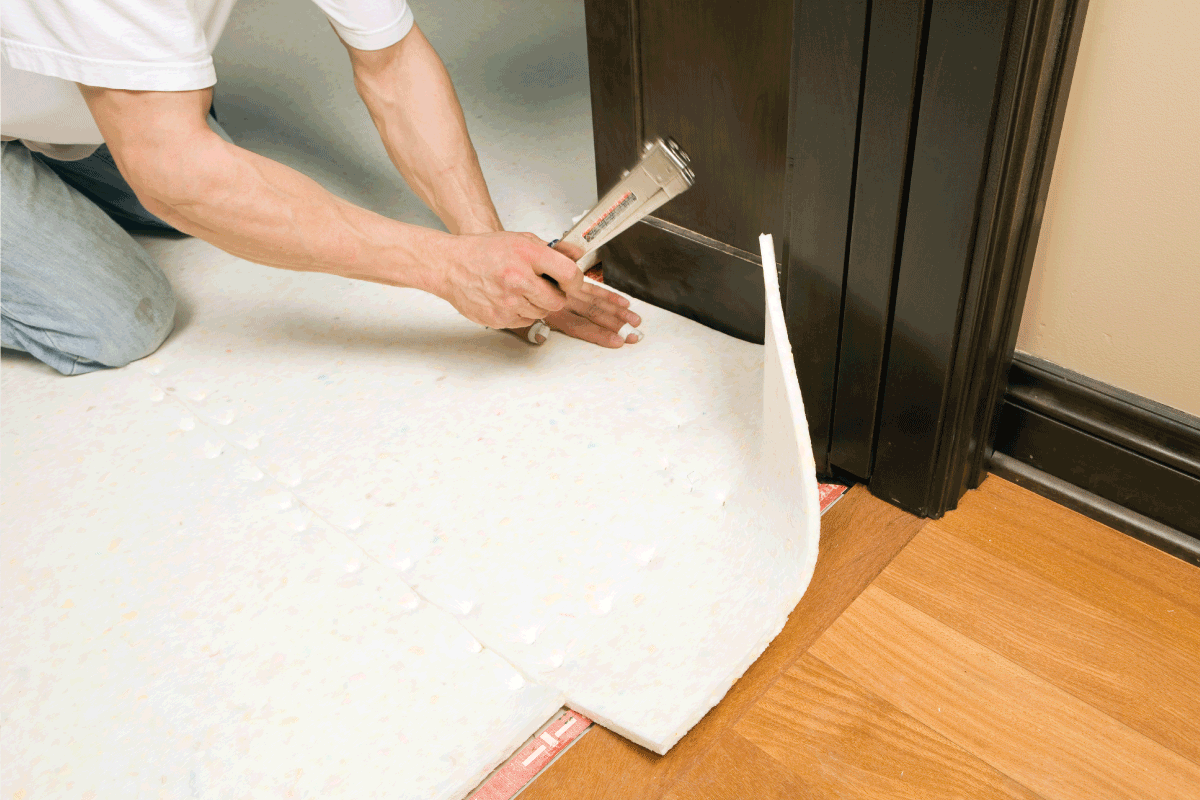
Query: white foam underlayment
x=341, y=541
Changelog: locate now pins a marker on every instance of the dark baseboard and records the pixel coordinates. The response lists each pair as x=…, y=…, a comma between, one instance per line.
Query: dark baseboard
x=1122, y=459
x=694, y=276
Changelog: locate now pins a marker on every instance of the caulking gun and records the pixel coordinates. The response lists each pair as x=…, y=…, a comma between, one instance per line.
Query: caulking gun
x=661, y=173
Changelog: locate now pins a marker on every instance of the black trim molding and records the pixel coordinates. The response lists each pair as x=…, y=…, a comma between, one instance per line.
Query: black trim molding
x=975, y=201
x=1124, y=460
x=900, y=150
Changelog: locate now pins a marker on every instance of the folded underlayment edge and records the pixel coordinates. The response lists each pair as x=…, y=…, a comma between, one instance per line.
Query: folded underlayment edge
x=788, y=468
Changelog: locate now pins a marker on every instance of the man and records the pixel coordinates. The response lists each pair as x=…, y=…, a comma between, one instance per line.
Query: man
x=107, y=128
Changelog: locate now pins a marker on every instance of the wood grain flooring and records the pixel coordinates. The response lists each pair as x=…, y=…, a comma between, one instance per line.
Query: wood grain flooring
x=1013, y=649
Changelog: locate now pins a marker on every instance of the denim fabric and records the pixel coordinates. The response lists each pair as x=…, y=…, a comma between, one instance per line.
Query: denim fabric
x=98, y=179
x=76, y=291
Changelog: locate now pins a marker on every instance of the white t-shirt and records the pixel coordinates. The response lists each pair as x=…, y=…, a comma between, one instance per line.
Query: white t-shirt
x=155, y=45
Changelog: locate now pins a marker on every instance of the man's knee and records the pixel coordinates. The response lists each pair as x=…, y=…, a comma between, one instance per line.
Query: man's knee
x=79, y=292
x=140, y=325
x=111, y=331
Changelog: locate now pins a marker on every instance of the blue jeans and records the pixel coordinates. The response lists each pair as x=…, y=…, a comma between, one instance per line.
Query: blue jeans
x=77, y=291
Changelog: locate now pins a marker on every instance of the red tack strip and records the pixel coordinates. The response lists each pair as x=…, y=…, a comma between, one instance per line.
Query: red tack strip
x=531, y=759
x=829, y=494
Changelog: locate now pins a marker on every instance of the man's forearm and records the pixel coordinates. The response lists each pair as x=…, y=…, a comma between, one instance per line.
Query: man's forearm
x=410, y=98
x=263, y=211
x=254, y=207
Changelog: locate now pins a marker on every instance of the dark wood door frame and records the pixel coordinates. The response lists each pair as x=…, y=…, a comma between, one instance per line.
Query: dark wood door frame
x=901, y=150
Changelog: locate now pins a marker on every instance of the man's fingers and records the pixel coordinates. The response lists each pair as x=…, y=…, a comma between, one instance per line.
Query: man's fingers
x=582, y=328
x=553, y=264
x=544, y=295
x=531, y=310
x=599, y=310
x=599, y=291
x=610, y=322
x=622, y=313
x=522, y=333
x=569, y=250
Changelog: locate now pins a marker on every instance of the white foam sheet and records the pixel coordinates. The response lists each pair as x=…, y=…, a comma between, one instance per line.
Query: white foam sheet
x=337, y=539
x=596, y=517
x=178, y=624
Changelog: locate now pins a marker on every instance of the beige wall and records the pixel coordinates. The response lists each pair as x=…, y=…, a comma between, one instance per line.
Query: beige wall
x=1115, y=291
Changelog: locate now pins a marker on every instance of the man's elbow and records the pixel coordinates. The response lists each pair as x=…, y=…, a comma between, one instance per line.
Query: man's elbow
x=167, y=176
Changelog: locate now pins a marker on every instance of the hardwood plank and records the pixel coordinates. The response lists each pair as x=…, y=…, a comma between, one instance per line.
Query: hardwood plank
x=735, y=769
x=602, y=766
x=1130, y=579
x=1150, y=684
x=835, y=739
x=1029, y=729
x=859, y=536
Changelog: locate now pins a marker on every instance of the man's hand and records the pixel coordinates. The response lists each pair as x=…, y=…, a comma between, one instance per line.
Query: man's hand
x=496, y=279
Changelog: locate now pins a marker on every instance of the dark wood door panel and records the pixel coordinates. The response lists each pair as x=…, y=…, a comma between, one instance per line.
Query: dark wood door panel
x=662, y=261
x=714, y=76
x=616, y=100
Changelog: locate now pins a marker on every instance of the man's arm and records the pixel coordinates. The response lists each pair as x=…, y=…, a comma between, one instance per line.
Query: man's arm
x=414, y=106
x=263, y=211
x=411, y=100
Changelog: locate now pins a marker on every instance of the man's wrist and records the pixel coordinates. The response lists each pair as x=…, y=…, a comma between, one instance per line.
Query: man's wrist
x=486, y=222
x=427, y=256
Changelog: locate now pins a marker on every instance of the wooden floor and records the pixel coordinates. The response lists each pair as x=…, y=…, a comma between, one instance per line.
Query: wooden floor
x=1011, y=649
